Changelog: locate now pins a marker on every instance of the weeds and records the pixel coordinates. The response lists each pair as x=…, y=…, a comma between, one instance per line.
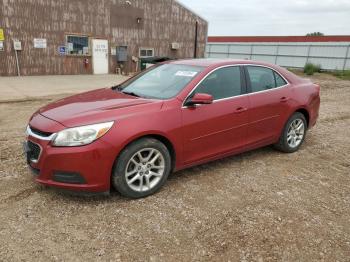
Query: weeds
x=310, y=69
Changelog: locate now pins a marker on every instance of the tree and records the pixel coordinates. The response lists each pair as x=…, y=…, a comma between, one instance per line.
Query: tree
x=315, y=34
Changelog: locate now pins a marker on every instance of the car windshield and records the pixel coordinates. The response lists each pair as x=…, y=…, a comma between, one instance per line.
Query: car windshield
x=160, y=82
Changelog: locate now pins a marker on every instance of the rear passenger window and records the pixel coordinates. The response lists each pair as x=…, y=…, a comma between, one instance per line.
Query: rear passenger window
x=222, y=83
x=262, y=78
x=279, y=80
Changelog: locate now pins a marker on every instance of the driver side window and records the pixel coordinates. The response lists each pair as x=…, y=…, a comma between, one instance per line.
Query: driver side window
x=222, y=83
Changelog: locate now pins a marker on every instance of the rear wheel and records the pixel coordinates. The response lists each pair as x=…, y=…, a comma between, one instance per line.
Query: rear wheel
x=142, y=168
x=293, y=134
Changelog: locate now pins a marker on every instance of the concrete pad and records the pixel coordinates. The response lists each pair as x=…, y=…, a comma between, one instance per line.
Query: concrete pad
x=33, y=87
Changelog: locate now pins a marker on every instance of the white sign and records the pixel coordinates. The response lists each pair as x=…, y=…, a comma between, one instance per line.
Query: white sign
x=70, y=47
x=1, y=46
x=17, y=45
x=40, y=43
x=186, y=73
x=113, y=51
x=85, y=50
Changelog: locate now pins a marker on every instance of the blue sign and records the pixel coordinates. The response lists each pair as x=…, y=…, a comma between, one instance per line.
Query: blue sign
x=62, y=50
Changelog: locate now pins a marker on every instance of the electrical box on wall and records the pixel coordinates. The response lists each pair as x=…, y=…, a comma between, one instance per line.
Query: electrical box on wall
x=122, y=53
x=175, y=46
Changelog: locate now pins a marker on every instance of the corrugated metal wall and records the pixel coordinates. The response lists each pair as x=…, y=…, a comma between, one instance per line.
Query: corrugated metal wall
x=162, y=22
x=330, y=55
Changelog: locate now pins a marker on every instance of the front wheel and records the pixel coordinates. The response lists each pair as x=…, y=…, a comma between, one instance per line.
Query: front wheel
x=142, y=168
x=293, y=134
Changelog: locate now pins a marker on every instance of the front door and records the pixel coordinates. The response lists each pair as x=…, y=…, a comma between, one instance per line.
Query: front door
x=220, y=127
x=100, y=56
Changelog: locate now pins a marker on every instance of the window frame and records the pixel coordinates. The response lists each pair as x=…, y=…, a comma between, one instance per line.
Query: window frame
x=243, y=85
x=146, y=49
x=249, y=85
x=78, y=35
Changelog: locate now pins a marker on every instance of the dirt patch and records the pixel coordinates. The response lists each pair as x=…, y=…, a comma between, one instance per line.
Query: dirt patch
x=258, y=206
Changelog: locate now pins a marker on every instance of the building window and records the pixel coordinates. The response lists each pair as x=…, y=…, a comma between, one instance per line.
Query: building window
x=146, y=52
x=77, y=45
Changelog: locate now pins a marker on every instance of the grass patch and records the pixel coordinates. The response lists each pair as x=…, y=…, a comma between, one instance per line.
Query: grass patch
x=345, y=75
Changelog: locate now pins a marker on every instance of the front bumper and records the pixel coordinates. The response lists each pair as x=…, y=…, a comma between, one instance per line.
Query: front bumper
x=85, y=169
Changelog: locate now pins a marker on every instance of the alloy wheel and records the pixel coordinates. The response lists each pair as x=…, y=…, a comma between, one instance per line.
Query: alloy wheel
x=296, y=132
x=145, y=169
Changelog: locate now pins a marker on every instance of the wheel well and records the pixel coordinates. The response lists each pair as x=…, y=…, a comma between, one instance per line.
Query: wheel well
x=169, y=146
x=166, y=142
x=306, y=114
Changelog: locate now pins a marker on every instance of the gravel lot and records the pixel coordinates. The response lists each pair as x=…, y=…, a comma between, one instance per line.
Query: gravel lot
x=257, y=206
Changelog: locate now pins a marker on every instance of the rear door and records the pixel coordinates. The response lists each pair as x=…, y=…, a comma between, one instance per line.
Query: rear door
x=219, y=127
x=269, y=103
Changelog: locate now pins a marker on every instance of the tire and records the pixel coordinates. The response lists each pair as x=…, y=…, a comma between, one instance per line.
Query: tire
x=285, y=142
x=135, y=175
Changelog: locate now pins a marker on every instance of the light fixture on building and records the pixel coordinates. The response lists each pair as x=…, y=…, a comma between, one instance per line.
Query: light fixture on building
x=139, y=19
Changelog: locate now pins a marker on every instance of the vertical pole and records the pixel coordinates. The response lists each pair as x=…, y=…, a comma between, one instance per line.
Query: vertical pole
x=346, y=57
x=228, y=50
x=308, y=54
x=251, y=51
x=277, y=53
x=17, y=63
x=195, y=41
x=209, y=51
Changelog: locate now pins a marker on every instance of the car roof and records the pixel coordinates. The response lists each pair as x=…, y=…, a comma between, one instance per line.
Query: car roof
x=214, y=62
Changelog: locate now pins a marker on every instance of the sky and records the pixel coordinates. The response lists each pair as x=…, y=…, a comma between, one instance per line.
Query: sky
x=273, y=17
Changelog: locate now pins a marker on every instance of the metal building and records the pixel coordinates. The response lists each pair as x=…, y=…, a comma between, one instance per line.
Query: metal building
x=89, y=36
x=331, y=52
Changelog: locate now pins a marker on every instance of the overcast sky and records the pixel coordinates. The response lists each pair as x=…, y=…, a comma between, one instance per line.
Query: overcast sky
x=273, y=17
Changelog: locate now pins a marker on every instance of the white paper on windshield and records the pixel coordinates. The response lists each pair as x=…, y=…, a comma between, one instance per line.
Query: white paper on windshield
x=186, y=73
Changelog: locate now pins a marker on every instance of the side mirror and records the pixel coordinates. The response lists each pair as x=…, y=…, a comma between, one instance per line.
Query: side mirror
x=200, y=99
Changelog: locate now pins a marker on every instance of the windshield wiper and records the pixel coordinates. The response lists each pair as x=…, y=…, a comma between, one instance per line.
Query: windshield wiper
x=117, y=87
x=130, y=93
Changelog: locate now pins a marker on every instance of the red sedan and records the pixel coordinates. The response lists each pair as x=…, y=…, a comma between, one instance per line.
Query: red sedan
x=170, y=117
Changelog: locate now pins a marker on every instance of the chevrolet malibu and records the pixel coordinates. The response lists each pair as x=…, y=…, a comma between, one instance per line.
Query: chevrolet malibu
x=172, y=116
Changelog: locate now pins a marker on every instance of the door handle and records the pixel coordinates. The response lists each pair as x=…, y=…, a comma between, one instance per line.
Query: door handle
x=240, y=110
x=284, y=99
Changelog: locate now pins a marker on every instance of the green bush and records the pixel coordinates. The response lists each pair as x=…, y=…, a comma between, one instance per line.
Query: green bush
x=342, y=74
x=310, y=69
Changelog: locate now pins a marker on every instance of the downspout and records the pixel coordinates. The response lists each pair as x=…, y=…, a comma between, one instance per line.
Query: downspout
x=196, y=41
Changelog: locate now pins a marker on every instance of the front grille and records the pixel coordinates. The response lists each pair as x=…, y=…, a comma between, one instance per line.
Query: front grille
x=39, y=132
x=34, y=151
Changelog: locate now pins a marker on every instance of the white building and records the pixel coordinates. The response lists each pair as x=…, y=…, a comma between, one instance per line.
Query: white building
x=331, y=52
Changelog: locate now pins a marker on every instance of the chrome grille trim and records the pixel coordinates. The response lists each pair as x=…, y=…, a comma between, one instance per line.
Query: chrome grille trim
x=29, y=132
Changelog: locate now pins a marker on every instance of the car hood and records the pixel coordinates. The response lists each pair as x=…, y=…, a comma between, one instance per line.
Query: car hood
x=92, y=107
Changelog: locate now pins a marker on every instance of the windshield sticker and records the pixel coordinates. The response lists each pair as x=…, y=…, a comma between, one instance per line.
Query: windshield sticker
x=186, y=73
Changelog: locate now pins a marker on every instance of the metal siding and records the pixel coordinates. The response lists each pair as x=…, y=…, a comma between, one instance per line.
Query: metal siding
x=330, y=55
x=290, y=61
x=265, y=49
x=163, y=22
x=239, y=56
x=264, y=58
x=239, y=49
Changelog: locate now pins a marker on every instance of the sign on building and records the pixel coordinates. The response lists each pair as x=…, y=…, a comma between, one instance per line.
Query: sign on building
x=62, y=50
x=17, y=45
x=2, y=36
x=40, y=43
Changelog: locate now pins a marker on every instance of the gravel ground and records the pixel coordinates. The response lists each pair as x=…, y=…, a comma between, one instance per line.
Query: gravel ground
x=258, y=206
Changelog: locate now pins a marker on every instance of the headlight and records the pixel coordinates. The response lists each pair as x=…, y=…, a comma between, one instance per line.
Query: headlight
x=82, y=135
